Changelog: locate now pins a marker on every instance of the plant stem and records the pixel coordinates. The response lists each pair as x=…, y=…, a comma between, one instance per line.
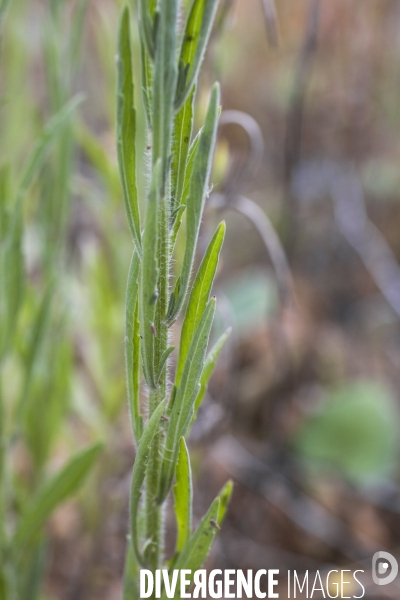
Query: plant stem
x=154, y=526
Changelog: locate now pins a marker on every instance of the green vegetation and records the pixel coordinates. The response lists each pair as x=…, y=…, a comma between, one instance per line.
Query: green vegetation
x=179, y=178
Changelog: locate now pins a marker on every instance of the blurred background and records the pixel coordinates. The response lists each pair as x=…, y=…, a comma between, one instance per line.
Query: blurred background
x=303, y=410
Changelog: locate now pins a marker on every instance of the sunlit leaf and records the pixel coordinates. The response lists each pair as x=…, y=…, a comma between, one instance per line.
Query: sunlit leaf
x=183, y=497
x=183, y=407
x=196, y=199
x=194, y=43
x=199, y=296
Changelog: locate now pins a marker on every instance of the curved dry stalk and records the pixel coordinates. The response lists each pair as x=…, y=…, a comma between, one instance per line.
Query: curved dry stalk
x=259, y=219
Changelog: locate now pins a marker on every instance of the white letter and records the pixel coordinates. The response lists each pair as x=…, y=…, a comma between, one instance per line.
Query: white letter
x=158, y=583
x=320, y=589
x=200, y=580
x=345, y=571
x=305, y=583
x=272, y=583
x=329, y=585
x=215, y=591
x=360, y=584
x=143, y=574
x=185, y=582
x=170, y=589
x=257, y=591
x=228, y=583
x=241, y=583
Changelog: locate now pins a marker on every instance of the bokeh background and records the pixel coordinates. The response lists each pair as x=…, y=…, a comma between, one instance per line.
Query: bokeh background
x=304, y=408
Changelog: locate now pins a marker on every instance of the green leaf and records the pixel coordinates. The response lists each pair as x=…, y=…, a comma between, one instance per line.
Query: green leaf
x=208, y=370
x=132, y=346
x=198, y=548
x=63, y=485
x=39, y=330
x=190, y=164
x=126, y=129
x=183, y=497
x=199, y=296
x=12, y=280
x=139, y=473
x=163, y=361
x=181, y=146
x=194, y=42
x=147, y=73
x=225, y=498
x=49, y=135
x=196, y=199
x=353, y=432
x=164, y=87
x=182, y=410
x=149, y=279
x=146, y=26
x=131, y=574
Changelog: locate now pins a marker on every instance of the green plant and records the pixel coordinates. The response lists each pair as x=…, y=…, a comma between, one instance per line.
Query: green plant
x=179, y=179
x=36, y=350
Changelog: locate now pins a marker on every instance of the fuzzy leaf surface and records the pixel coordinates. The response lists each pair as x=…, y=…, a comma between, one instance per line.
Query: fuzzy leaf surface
x=183, y=491
x=182, y=410
x=199, y=296
x=164, y=86
x=126, y=130
x=149, y=279
x=199, y=545
x=196, y=199
x=139, y=473
x=209, y=367
x=132, y=346
x=194, y=43
x=181, y=146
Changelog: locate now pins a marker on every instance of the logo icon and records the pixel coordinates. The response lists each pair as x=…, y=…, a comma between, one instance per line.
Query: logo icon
x=384, y=568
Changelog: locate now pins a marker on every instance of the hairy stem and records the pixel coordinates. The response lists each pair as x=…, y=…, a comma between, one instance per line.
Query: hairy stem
x=154, y=526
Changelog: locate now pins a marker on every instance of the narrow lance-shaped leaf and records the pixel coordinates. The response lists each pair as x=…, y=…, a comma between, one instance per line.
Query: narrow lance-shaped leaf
x=146, y=26
x=194, y=42
x=12, y=275
x=49, y=135
x=199, y=296
x=35, y=162
x=164, y=87
x=146, y=73
x=208, y=370
x=59, y=488
x=190, y=164
x=132, y=346
x=39, y=332
x=195, y=202
x=182, y=136
x=131, y=574
x=139, y=473
x=183, y=497
x=182, y=410
x=224, y=500
x=177, y=214
x=149, y=279
x=163, y=361
x=199, y=545
x=126, y=130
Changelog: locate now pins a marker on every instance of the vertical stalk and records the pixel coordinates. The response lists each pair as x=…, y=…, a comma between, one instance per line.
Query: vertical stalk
x=154, y=525
x=164, y=87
